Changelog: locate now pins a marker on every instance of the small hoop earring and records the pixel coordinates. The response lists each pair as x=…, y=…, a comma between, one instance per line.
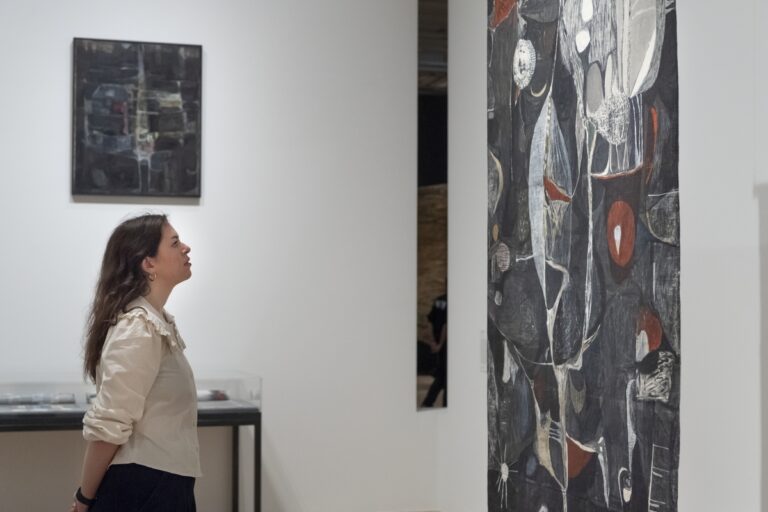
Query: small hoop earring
x=152, y=276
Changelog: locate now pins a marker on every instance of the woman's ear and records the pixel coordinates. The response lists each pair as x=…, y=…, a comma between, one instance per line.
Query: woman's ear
x=148, y=265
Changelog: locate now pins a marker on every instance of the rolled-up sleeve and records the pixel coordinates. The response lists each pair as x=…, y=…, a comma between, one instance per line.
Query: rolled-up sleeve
x=129, y=365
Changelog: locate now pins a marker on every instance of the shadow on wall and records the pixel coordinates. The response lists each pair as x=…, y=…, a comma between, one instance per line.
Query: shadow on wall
x=278, y=495
x=761, y=192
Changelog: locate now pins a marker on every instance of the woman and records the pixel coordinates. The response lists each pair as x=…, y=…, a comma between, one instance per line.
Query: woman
x=142, y=451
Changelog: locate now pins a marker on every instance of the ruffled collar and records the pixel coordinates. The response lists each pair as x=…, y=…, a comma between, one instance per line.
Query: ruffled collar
x=164, y=323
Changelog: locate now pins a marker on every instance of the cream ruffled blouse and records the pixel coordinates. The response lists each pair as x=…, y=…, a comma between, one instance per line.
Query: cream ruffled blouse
x=146, y=399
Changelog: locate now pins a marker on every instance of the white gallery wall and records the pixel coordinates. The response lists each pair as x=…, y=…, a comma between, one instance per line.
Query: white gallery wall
x=724, y=223
x=303, y=243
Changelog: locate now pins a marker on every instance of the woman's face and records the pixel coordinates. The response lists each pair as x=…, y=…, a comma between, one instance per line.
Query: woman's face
x=171, y=265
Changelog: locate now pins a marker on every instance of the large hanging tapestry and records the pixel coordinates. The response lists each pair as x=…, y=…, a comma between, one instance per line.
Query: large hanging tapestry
x=583, y=256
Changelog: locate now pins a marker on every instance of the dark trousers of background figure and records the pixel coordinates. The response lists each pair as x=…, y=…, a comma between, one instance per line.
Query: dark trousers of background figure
x=136, y=488
x=441, y=379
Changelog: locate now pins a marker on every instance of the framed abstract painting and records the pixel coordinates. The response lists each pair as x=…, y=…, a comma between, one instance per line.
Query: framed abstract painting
x=136, y=123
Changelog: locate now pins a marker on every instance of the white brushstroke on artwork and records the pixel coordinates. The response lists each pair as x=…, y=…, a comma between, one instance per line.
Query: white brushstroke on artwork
x=658, y=472
x=612, y=118
x=657, y=385
x=664, y=194
x=581, y=135
x=660, y=217
x=641, y=346
x=510, y=366
x=631, y=435
x=587, y=10
x=646, y=66
x=570, y=44
x=602, y=458
x=541, y=447
x=495, y=182
x=602, y=32
x=578, y=396
x=494, y=443
x=620, y=121
x=622, y=42
x=590, y=241
x=640, y=35
x=549, y=159
x=502, y=485
x=502, y=482
x=540, y=93
x=597, y=447
x=546, y=431
x=626, y=490
x=610, y=87
x=143, y=149
x=561, y=376
x=617, y=237
x=582, y=40
x=536, y=194
x=503, y=257
x=491, y=38
x=552, y=312
x=523, y=63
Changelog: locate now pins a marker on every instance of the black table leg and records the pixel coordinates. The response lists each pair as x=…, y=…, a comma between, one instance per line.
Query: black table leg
x=235, y=468
x=257, y=465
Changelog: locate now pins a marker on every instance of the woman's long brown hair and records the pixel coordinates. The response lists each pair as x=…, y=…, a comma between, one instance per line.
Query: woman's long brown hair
x=121, y=280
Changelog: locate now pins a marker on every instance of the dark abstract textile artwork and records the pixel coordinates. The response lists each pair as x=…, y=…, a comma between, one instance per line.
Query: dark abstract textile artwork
x=583, y=256
x=136, y=121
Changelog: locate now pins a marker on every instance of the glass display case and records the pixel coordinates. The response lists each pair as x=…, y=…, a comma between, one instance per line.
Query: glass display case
x=224, y=399
x=241, y=392
x=228, y=390
x=37, y=405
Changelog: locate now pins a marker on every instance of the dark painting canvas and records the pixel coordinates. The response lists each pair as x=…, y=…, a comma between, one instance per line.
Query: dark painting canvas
x=583, y=256
x=136, y=122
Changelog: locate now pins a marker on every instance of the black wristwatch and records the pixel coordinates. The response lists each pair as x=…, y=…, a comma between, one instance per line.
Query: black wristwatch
x=82, y=499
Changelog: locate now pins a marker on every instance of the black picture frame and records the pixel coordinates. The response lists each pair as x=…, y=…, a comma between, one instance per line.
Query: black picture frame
x=136, y=118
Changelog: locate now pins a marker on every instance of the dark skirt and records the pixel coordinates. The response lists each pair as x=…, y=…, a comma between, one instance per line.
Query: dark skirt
x=136, y=488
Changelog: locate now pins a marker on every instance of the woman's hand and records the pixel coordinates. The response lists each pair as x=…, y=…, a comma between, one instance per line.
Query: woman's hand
x=78, y=507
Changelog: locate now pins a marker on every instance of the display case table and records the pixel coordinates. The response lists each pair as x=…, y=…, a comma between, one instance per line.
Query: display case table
x=234, y=413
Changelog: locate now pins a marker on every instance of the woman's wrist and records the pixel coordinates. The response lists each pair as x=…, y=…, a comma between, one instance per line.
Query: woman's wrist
x=83, y=499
